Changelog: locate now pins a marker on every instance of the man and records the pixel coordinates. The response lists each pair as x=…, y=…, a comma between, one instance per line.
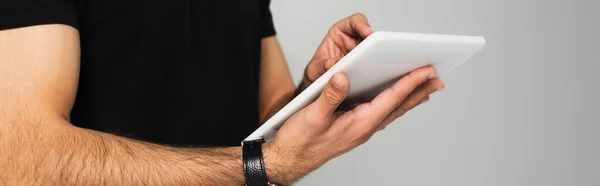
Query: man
x=162, y=92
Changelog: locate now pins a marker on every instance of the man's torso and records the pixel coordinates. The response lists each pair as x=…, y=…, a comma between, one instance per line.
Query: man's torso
x=174, y=72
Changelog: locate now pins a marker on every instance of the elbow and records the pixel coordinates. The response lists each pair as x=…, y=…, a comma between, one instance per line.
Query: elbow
x=23, y=131
x=24, y=146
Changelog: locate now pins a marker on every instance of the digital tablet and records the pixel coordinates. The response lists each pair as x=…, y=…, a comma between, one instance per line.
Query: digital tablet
x=376, y=63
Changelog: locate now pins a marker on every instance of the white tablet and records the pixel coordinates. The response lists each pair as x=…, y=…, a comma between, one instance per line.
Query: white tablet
x=376, y=63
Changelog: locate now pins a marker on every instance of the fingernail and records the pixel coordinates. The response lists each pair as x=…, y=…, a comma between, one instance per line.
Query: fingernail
x=440, y=89
x=337, y=81
x=424, y=101
x=432, y=75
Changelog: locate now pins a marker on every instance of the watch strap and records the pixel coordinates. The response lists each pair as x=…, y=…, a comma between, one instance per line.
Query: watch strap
x=254, y=165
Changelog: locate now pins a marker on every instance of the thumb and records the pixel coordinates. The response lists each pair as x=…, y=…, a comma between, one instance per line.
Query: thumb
x=332, y=96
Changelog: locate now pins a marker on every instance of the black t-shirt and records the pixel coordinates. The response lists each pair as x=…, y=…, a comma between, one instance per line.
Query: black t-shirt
x=176, y=72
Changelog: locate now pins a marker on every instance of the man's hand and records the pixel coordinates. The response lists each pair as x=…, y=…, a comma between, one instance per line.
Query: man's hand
x=318, y=133
x=341, y=39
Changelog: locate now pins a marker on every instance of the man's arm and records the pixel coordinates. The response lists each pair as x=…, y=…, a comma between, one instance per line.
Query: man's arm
x=39, y=69
x=276, y=87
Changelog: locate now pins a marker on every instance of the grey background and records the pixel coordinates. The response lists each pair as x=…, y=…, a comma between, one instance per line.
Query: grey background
x=523, y=111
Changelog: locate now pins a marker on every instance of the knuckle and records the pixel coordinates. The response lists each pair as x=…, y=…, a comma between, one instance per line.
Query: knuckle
x=362, y=110
x=365, y=138
x=399, y=100
x=358, y=140
x=331, y=97
x=398, y=95
x=329, y=63
x=358, y=15
x=399, y=112
x=416, y=78
x=350, y=117
x=431, y=89
x=409, y=81
x=411, y=76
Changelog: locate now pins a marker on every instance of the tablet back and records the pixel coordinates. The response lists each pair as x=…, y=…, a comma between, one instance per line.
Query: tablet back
x=376, y=63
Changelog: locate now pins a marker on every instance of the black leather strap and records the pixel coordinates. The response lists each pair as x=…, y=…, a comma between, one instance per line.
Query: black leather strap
x=254, y=165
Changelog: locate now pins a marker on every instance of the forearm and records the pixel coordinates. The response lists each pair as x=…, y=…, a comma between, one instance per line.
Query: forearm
x=39, y=68
x=75, y=156
x=276, y=87
x=67, y=155
x=284, y=99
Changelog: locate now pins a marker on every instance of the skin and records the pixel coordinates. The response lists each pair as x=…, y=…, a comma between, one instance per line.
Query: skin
x=276, y=87
x=39, y=70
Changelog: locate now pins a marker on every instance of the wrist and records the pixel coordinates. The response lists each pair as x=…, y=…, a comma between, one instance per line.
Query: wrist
x=280, y=168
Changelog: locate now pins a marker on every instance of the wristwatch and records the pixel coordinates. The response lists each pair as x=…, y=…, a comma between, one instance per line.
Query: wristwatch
x=254, y=164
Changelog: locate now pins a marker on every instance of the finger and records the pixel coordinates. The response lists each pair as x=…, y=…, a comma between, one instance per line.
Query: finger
x=333, y=94
x=317, y=68
x=329, y=63
x=424, y=100
x=389, y=99
x=356, y=26
x=419, y=96
x=360, y=24
x=349, y=32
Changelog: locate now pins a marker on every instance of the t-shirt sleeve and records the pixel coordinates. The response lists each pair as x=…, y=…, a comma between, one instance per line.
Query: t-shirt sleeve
x=268, y=28
x=22, y=13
